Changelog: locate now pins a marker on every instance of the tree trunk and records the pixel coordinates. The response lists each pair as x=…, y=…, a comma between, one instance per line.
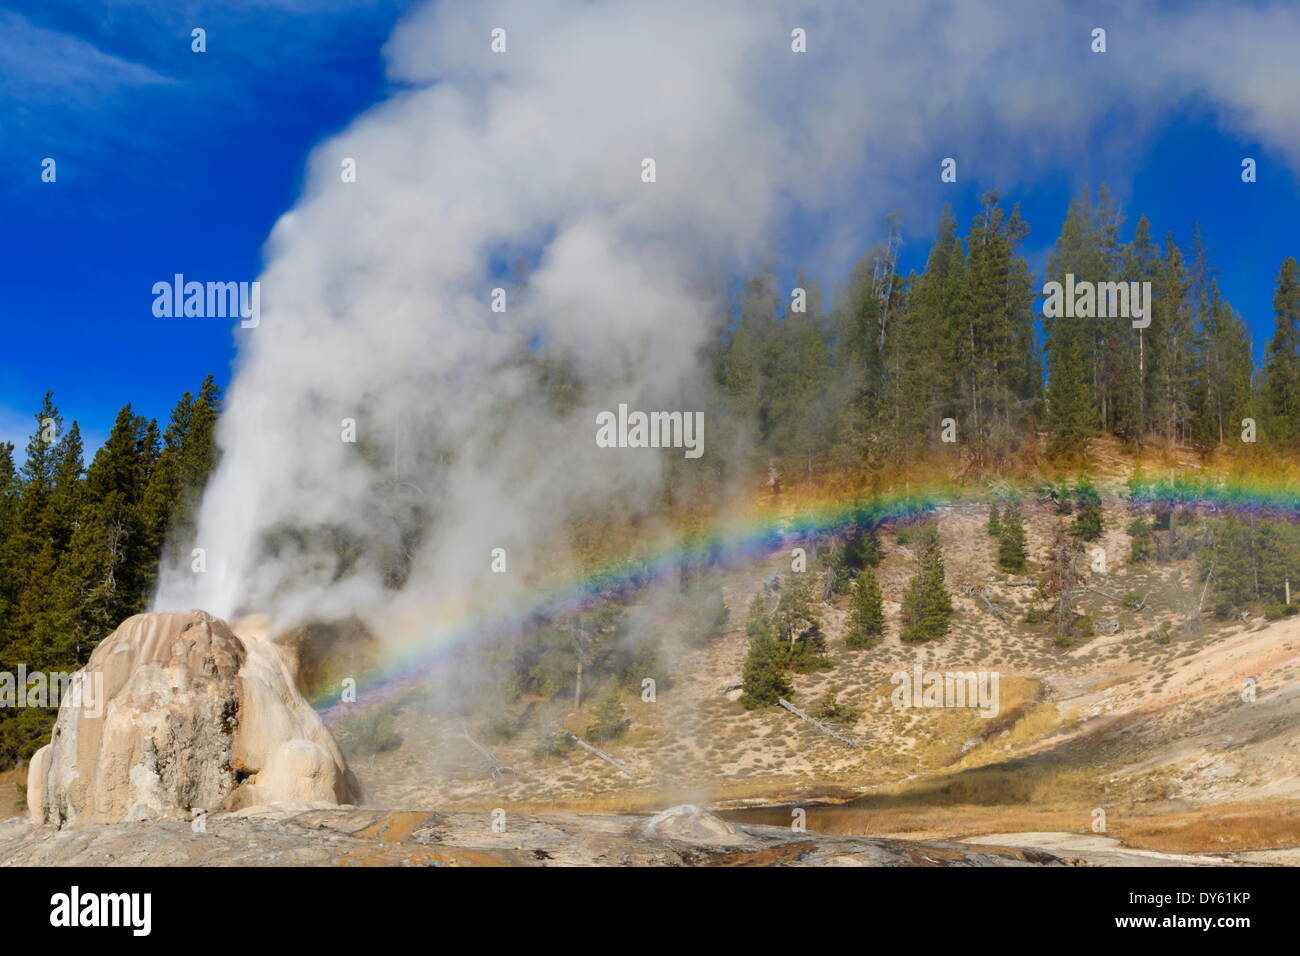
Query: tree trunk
x=1142, y=388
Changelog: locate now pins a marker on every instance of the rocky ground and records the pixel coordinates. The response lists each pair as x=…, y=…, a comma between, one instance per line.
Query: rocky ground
x=294, y=836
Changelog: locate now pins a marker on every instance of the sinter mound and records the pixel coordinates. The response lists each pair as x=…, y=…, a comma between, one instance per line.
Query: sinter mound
x=179, y=713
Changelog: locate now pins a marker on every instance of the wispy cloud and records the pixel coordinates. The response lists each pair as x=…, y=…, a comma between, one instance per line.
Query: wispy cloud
x=120, y=79
x=41, y=67
x=58, y=89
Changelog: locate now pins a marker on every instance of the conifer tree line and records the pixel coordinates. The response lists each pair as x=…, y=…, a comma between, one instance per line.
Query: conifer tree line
x=80, y=546
x=867, y=382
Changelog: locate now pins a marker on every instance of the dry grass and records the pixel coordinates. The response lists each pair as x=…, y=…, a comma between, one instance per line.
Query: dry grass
x=645, y=799
x=1227, y=828
x=1240, y=826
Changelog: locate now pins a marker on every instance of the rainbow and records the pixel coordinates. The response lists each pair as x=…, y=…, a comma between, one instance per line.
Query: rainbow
x=743, y=538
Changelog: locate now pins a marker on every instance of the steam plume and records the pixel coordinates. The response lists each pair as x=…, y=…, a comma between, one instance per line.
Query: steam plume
x=376, y=294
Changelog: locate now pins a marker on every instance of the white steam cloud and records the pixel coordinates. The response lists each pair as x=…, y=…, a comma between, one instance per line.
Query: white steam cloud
x=376, y=294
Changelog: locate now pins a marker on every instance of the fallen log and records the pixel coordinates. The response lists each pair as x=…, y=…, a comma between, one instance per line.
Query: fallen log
x=602, y=755
x=498, y=768
x=829, y=731
x=975, y=591
x=1142, y=603
x=1118, y=600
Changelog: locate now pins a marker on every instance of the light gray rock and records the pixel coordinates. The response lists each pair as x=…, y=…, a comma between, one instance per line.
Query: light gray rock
x=691, y=824
x=283, y=835
x=179, y=712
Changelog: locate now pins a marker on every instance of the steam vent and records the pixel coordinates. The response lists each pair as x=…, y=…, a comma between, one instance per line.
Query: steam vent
x=180, y=713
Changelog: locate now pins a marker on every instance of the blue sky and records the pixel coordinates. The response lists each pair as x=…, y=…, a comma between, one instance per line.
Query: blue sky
x=171, y=161
x=168, y=161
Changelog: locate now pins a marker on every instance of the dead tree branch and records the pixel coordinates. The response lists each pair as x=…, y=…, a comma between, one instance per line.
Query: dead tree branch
x=975, y=591
x=602, y=755
x=498, y=768
x=829, y=731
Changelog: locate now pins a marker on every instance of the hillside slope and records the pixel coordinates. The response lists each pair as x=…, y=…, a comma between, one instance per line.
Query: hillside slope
x=1148, y=723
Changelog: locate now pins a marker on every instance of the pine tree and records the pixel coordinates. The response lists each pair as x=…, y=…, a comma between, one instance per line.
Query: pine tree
x=750, y=359
x=797, y=623
x=927, y=349
x=1223, y=390
x=808, y=652
x=859, y=548
x=77, y=545
x=1011, y=542
x=763, y=675
x=611, y=720
x=758, y=621
x=829, y=707
x=1172, y=352
x=159, y=508
x=199, y=456
x=32, y=554
x=927, y=606
x=994, y=526
x=867, y=617
x=103, y=580
x=1203, y=296
x=997, y=365
x=66, y=498
x=1071, y=417
x=1077, y=348
x=1251, y=560
x=798, y=413
x=1280, y=392
x=795, y=612
x=178, y=467
x=10, y=507
x=1110, y=339
x=858, y=398
x=1087, y=524
x=1133, y=396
